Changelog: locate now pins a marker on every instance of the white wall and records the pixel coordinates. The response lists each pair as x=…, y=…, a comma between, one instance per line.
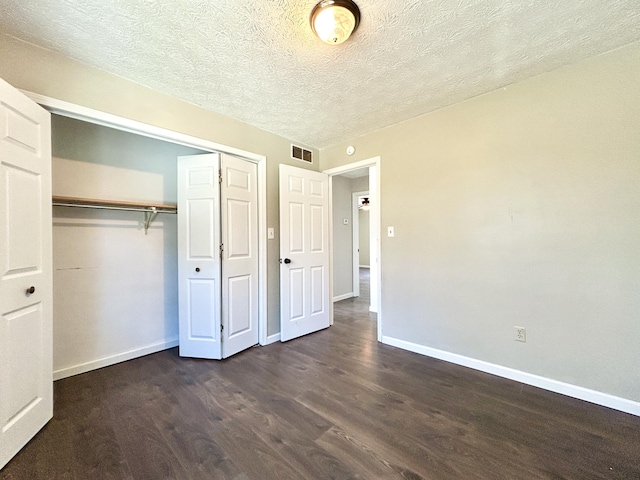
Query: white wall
x=530, y=201
x=115, y=288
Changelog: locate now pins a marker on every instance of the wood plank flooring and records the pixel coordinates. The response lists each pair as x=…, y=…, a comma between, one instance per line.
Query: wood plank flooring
x=331, y=405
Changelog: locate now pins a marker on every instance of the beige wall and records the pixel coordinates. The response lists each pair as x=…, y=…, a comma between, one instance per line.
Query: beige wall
x=342, y=197
x=41, y=71
x=529, y=215
x=342, y=237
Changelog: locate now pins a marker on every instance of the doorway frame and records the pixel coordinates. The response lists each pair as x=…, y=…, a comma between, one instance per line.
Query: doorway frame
x=89, y=115
x=374, y=213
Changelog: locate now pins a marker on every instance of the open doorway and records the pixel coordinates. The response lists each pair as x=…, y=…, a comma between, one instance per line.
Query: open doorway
x=361, y=255
x=349, y=185
x=345, y=191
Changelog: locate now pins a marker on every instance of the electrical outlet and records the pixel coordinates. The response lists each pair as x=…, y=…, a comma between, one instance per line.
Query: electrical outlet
x=521, y=334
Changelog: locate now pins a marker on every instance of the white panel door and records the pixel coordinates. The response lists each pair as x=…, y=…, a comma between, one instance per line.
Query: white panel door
x=199, y=287
x=26, y=343
x=239, y=198
x=304, y=252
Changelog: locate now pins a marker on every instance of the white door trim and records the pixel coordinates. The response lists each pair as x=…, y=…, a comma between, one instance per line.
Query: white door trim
x=374, y=213
x=78, y=112
x=355, y=223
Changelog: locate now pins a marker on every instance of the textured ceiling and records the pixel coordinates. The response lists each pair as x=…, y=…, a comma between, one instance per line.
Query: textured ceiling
x=258, y=61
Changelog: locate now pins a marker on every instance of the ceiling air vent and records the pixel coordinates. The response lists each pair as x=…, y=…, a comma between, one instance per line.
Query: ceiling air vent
x=300, y=153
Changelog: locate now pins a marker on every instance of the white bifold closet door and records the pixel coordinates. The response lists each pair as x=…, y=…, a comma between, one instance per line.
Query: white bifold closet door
x=217, y=255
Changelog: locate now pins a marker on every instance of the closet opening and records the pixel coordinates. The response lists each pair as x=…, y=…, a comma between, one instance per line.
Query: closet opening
x=115, y=291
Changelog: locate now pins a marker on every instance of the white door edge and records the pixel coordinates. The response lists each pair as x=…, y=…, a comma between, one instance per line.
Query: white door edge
x=374, y=213
x=78, y=112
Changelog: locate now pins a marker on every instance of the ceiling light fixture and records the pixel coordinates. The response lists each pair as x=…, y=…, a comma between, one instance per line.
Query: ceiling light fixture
x=333, y=21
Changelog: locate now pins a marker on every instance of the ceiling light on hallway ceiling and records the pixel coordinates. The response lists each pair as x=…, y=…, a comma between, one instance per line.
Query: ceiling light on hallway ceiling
x=333, y=21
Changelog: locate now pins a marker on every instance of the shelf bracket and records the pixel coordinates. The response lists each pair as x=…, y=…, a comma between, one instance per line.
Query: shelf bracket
x=149, y=216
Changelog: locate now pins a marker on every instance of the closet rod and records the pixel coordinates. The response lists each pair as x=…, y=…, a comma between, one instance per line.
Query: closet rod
x=107, y=207
x=112, y=205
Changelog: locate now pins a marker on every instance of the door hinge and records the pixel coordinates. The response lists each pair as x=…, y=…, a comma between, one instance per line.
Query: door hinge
x=221, y=249
x=220, y=177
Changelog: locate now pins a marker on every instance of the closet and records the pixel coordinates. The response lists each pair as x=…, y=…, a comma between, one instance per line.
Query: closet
x=115, y=259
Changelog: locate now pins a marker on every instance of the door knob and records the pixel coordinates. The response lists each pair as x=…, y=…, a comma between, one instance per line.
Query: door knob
x=31, y=290
x=197, y=269
x=287, y=261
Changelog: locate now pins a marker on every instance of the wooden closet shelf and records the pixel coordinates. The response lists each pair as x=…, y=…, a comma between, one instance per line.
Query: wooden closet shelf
x=113, y=204
x=151, y=210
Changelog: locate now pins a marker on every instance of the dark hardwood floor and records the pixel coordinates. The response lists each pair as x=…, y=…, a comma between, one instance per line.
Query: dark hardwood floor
x=334, y=404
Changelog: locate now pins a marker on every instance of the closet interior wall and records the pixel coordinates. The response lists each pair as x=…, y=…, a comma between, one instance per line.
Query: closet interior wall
x=115, y=288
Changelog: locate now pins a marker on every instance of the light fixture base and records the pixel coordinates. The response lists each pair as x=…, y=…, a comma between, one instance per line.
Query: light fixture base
x=333, y=21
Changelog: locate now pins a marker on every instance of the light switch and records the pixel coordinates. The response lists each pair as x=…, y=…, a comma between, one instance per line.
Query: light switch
x=270, y=234
x=391, y=232
x=345, y=221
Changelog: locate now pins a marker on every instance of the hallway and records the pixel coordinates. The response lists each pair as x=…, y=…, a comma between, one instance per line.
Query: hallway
x=355, y=311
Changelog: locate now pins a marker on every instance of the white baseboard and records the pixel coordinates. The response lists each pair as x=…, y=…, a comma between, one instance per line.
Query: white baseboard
x=273, y=338
x=342, y=297
x=593, y=396
x=113, y=359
